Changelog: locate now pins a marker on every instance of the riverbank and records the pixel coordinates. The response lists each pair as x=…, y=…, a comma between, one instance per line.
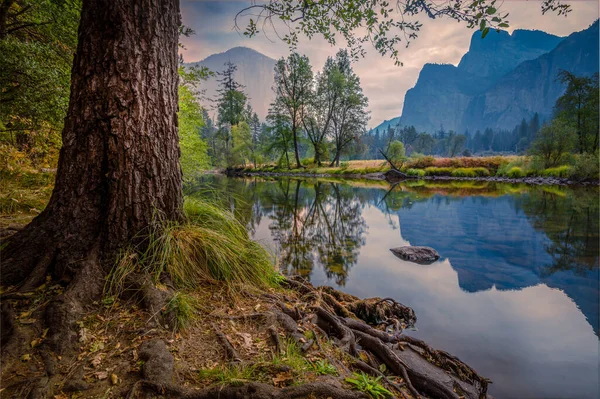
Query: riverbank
x=583, y=169
x=392, y=177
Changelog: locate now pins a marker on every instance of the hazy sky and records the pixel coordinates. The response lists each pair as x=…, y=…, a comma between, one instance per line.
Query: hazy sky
x=440, y=41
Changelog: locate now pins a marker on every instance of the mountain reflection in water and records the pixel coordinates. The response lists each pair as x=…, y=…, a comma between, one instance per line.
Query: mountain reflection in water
x=515, y=293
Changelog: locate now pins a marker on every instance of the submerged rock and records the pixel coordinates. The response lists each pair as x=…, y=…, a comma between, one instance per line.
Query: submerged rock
x=421, y=255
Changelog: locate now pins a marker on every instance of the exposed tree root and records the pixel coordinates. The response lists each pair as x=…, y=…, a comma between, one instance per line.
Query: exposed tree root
x=230, y=352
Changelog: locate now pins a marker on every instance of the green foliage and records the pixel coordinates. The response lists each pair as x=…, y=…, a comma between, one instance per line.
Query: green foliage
x=194, y=157
x=323, y=367
x=375, y=22
x=587, y=167
x=232, y=374
x=37, y=43
x=184, y=307
x=578, y=108
x=241, y=140
x=554, y=142
x=515, y=172
x=210, y=246
x=369, y=385
x=558, y=171
x=396, y=151
x=470, y=172
x=415, y=172
x=463, y=172
x=435, y=171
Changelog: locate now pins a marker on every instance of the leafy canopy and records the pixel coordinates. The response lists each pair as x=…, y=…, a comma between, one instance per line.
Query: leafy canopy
x=381, y=23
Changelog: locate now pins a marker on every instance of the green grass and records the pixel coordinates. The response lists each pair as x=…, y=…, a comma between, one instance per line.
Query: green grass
x=369, y=385
x=323, y=367
x=515, y=172
x=415, y=172
x=435, y=171
x=184, y=307
x=559, y=171
x=210, y=246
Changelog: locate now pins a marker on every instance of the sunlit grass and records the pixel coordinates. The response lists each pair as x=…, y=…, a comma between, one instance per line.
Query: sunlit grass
x=210, y=246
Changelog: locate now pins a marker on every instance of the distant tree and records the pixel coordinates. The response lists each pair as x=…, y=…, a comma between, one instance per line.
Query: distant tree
x=241, y=140
x=231, y=106
x=256, y=130
x=317, y=117
x=424, y=143
x=456, y=144
x=578, y=106
x=293, y=81
x=553, y=142
x=350, y=116
x=396, y=151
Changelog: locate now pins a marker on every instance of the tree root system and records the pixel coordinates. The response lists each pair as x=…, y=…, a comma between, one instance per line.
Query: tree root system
x=298, y=341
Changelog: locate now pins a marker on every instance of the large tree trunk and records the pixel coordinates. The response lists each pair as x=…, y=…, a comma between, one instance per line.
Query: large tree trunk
x=119, y=164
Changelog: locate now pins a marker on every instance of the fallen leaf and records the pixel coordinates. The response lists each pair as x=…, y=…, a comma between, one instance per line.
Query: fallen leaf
x=26, y=357
x=282, y=377
x=97, y=360
x=114, y=379
x=36, y=342
x=27, y=321
x=247, y=340
x=101, y=375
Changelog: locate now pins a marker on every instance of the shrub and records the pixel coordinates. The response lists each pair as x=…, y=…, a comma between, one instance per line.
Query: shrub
x=415, y=172
x=435, y=171
x=344, y=165
x=464, y=172
x=307, y=161
x=559, y=171
x=515, y=173
x=481, y=172
x=586, y=167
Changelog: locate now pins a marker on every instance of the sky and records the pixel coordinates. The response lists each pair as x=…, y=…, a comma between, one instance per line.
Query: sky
x=440, y=41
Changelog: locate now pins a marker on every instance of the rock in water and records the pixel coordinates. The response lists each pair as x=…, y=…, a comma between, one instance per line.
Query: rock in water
x=421, y=255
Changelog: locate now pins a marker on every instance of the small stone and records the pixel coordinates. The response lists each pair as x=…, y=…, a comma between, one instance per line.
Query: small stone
x=421, y=255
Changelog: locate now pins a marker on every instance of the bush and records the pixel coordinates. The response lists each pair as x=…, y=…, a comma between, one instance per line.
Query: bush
x=586, y=167
x=515, y=173
x=307, y=161
x=415, y=172
x=464, y=172
x=435, y=171
x=481, y=172
x=344, y=165
x=559, y=171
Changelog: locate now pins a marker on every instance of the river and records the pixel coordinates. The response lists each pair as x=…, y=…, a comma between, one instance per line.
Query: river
x=515, y=293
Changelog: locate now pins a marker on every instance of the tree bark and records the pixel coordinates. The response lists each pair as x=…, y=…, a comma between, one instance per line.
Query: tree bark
x=119, y=167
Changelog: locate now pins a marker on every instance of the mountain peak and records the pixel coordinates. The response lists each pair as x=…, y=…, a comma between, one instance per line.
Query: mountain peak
x=238, y=52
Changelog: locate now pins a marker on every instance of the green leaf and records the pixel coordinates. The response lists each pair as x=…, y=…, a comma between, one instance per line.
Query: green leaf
x=485, y=32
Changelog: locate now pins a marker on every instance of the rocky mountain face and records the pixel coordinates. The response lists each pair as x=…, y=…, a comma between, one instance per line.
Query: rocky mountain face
x=499, y=81
x=255, y=71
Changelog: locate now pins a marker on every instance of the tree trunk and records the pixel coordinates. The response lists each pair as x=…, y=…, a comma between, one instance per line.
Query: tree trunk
x=296, y=152
x=119, y=164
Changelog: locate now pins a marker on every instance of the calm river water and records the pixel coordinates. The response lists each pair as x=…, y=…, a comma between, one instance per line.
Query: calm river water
x=515, y=293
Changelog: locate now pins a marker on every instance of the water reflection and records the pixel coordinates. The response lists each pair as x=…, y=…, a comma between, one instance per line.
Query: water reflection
x=515, y=293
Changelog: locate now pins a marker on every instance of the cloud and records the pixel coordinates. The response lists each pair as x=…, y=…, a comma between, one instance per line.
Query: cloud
x=440, y=41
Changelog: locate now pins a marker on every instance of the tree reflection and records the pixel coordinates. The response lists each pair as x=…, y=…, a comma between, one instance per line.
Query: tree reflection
x=318, y=223
x=571, y=223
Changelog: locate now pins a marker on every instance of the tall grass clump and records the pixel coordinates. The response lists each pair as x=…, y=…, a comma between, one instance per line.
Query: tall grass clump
x=209, y=246
x=415, y=172
x=435, y=171
x=559, y=171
